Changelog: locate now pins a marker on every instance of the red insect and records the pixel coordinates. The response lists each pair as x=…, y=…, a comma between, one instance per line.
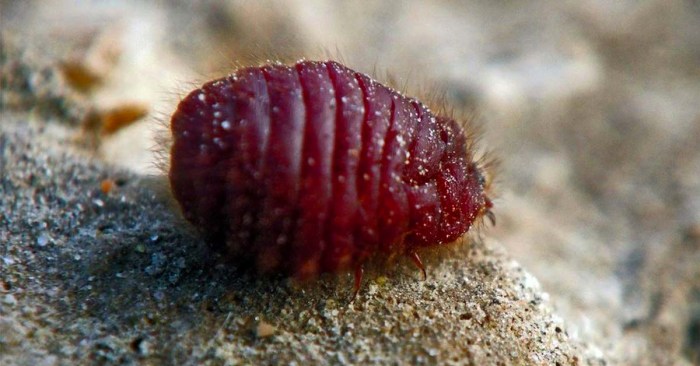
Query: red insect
x=316, y=168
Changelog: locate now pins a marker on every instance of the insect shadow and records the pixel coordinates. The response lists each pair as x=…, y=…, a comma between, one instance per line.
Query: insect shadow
x=147, y=263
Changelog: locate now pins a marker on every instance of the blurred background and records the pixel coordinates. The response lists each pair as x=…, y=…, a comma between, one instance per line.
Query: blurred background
x=593, y=108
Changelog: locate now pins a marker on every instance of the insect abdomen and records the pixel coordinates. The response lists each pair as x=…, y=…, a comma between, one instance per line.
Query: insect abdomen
x=314, y=168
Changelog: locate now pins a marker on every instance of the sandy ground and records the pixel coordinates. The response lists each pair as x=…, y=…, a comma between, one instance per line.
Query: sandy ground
x=591, y=106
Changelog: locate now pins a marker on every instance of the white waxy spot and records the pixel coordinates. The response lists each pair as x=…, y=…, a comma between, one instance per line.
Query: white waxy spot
x=226, y=125
x=202, y=97
x=217, y=114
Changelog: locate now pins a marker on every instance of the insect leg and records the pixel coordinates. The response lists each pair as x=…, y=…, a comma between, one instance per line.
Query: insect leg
x=359, y=271
x=416, y=260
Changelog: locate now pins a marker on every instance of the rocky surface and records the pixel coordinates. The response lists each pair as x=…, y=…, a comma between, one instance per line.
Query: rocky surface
x=115, y=277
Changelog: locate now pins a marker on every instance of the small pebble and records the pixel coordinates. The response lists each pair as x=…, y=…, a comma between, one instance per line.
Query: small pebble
x=42, y=240
x=143, y=347
x=264, y=329
x=159, y=295
x=107, y=185
x=9, y=300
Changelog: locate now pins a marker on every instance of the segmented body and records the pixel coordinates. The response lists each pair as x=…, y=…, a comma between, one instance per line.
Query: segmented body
x=315, y=168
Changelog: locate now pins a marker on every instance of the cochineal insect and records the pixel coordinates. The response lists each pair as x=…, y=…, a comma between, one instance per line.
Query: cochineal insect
x=315, y=168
